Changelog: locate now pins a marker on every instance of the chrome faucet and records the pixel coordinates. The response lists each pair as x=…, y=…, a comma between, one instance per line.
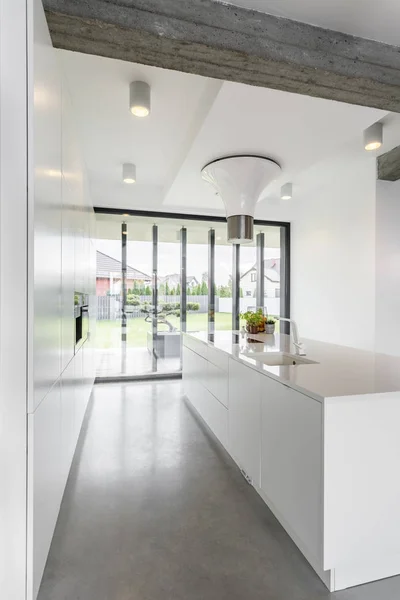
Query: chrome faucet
x=299, y=346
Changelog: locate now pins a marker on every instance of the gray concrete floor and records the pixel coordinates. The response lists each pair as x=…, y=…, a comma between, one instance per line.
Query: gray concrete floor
x=112, y=362
x=155, y=510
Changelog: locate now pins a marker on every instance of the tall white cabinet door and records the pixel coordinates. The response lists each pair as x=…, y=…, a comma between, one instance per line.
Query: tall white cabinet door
x=291, y=461
x=245, y=418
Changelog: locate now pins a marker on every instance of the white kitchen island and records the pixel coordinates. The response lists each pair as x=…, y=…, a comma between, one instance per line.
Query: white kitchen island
x=320, y=443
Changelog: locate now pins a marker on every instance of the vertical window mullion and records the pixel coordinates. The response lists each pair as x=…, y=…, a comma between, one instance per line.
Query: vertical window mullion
x=211, y=281
x=155, y=295
x=235, y=286
x=260, y=300
x=285, y=276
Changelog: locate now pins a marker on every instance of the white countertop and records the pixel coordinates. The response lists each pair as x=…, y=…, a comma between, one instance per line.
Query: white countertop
x=340, y=370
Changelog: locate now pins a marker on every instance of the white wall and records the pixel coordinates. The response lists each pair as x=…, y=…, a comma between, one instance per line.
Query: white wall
x=13, y=294
x=333, y=250
x=388, y=267
x=62, y=260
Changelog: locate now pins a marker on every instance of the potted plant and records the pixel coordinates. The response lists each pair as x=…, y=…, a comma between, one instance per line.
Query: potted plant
x=255, y=321
x=270, y=325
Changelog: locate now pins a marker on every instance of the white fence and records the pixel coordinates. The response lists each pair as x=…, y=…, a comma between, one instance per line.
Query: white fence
x=109, y=307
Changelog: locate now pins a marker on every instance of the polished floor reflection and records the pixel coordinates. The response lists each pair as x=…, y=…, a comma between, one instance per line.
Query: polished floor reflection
x=113, y=362
x=155, y=510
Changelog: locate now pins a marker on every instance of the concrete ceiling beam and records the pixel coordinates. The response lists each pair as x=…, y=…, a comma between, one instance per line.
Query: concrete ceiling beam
x=226, y=42
x=389, y=165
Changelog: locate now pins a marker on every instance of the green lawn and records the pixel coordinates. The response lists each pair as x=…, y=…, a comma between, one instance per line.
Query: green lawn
x=108, y=333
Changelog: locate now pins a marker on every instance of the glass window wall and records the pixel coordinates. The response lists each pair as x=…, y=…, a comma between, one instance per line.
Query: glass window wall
x=151, y=268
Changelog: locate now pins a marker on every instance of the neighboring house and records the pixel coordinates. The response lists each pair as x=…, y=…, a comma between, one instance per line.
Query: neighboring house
x=248, y=281
x=109, y=275
x=174, y=280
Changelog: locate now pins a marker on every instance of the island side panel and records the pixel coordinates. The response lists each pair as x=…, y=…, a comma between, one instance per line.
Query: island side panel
x=245, y=419
x=362, y=487
x=291, y=462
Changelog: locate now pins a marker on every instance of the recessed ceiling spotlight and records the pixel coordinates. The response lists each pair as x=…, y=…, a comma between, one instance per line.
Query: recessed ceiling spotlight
x=140, y=98
x=129, y=173
x=287, y=191
x=373, y=137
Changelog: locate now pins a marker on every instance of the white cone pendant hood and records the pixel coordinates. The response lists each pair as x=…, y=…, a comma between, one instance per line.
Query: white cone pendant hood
x=240, y=181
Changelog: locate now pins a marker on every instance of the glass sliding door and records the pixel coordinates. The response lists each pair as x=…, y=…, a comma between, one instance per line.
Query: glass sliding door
x=197, y=276
x=158, y=276
x=272, y=271
x=108, y=292
x=124, y=293
x=248, y=277
x=139, y=297
x=167, y=343
x=223, y=279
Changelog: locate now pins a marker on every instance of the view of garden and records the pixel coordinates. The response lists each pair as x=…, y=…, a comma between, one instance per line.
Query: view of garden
x=108, y=333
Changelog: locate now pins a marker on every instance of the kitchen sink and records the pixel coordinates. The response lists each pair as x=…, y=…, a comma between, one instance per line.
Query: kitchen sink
x=279, y=358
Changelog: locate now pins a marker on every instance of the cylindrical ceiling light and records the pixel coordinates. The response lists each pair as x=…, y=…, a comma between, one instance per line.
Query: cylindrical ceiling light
x=140, y=99
x=240, y=182
x=129, y=173
x=286, y=191
x=373, y=137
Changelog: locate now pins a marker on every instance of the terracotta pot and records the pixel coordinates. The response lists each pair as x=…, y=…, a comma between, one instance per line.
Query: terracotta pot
x=252, y=328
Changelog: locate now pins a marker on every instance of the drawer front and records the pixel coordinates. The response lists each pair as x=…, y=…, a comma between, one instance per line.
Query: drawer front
x=217, y=383
x=218, y=358
x=215, y=415
x=194, y=366
x=196, y=345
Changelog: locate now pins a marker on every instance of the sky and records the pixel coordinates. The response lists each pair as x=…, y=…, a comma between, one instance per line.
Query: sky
x=139, y=256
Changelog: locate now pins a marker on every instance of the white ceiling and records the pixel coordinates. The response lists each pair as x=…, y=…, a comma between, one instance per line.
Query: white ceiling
x=296, y=131
x=373, y=19
x=193, y=121
x=111, y=136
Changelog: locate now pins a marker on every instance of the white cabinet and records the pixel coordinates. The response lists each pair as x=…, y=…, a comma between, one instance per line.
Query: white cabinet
x=45, y=481
x=217, y=383
x=245, y=418
x=273, y=432
x=213, y=412
x=291, y=463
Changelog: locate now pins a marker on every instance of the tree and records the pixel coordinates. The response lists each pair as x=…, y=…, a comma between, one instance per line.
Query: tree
x=188, y=291
x=178, y=290
x=167, y=292
x=203, y=289
x=132, y=300
x=172, y=292
x=161, y=289
x=204, y=277
x=241, y=292
x=147, y=291
x=224, y=291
